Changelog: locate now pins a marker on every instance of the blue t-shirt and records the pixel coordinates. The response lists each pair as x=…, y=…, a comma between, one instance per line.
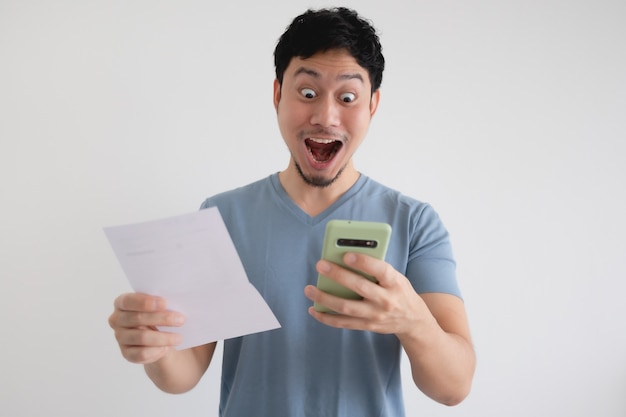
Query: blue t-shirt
x=307, y=369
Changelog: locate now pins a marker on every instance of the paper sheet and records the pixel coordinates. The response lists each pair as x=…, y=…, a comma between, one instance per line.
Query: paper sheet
x=191, y=261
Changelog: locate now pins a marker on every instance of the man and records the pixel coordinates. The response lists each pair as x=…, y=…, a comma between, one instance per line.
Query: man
x=329, y=68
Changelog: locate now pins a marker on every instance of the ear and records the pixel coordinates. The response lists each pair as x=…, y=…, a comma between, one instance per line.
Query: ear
x=374, y=102
x=276, y=94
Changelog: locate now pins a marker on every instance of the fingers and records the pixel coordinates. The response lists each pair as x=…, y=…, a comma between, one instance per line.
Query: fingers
x=342, y=306
x=351, y=280
x=131, y=319
x=383, y=304
x=144, y=355
x=137, y=309
x=380, y=270
x=144, y=345
x=135, y=320
x=343, y=321
x=139, y=302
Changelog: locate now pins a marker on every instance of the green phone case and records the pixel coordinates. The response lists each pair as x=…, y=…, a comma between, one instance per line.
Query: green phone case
x=370, y=238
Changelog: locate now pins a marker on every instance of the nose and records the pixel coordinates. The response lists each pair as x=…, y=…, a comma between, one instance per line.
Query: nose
x=326, y=113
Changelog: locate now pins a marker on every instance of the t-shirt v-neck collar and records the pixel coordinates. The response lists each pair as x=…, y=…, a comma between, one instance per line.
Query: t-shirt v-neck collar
x=294, y=209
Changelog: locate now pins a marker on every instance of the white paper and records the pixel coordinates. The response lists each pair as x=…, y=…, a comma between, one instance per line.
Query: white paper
x=191, y=261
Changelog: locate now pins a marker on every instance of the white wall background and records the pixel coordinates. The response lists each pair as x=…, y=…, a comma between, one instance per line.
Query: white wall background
x=509, y=117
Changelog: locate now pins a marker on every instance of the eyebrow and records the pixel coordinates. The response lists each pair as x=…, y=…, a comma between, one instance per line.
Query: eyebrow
x=315, y=74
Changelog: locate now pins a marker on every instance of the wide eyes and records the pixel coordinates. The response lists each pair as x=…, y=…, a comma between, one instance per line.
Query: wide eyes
x=309, y=93
x=347, y=97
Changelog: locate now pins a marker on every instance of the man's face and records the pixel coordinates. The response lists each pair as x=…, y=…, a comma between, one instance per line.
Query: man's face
x=324, y=109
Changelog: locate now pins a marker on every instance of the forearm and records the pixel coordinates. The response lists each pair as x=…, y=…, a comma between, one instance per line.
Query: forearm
x=180, y=371
x=442, y=364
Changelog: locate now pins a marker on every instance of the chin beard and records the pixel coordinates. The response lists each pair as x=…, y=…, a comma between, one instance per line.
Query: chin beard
x=318, y=181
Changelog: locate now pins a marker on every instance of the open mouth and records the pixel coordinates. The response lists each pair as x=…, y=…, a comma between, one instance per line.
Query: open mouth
x=323, y=150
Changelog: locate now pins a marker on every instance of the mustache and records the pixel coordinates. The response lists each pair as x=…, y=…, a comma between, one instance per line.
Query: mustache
x=323, y=132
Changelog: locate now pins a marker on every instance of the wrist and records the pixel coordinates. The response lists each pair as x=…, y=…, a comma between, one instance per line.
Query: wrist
x=420, y=334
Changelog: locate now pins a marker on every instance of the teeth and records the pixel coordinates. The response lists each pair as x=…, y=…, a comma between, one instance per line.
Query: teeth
x=323, y=141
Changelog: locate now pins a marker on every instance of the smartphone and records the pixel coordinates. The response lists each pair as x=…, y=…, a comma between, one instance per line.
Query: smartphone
x=341, y=236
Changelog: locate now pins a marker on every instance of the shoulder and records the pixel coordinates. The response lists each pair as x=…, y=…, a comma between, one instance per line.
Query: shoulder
x=239, y=195
x=397, y=202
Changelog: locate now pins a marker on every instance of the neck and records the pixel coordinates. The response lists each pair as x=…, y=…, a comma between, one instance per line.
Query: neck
x=314, y=199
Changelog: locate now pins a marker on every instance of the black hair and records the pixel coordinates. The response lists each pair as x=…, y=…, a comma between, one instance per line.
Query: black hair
x=332, y=28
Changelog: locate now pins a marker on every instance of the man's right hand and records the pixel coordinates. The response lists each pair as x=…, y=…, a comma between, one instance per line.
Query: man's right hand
x=134, y=321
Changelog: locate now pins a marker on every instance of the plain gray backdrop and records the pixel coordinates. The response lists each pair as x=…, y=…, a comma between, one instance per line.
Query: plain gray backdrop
x=509, y=117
